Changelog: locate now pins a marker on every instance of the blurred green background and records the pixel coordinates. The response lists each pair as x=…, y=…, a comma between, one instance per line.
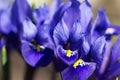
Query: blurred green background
x=17, y=67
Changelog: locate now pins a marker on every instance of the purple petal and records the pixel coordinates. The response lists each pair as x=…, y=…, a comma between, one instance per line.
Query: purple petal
x=20, y=13
x=58, y=16
x=5, y=24
x=102, y=22
x=29, y=29
x=86, y=15
x=72, y=14
x=41, y=14
x=115, y=52
x=79, y=73
x=61, y=34
x=31, y=57
x=98, y=49
x=62, y=55
x=113, y=72
x=76, y=36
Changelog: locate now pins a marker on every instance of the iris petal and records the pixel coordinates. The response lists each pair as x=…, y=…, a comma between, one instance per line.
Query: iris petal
x=35, y=58
x=86, y=15
x=76, y=35
x=61, y=33
x=5, y=25
x=97, y=49
x=20, y=13
x=79, y=73
x=113, y=72
x=115, y=52
x=72, y=14
x=29, y=29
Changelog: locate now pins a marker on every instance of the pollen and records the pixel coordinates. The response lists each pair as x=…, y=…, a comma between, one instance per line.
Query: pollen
x=77, y=63
x=38, y=48
x=68, y=54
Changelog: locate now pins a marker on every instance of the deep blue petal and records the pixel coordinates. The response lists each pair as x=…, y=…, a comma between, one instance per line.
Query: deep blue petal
x=79, y=73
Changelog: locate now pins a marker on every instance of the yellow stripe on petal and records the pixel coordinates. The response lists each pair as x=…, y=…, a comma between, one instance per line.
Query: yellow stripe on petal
x=68, y=54
x=77, y=63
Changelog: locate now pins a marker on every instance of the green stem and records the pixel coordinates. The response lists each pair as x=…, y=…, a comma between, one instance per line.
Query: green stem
x=5, y=64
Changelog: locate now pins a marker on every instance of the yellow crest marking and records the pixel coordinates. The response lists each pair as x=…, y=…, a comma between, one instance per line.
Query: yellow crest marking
x=68, y=54
x=77, y=63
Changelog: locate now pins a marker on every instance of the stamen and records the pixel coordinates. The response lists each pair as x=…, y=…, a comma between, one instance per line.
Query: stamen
x=77, y=63
x=68, y=54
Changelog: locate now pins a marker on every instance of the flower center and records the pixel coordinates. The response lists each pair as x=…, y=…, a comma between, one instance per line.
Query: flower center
x=77, y=63
x=37, y=46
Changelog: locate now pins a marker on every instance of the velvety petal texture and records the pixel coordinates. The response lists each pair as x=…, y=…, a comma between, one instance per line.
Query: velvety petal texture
x=81, y=72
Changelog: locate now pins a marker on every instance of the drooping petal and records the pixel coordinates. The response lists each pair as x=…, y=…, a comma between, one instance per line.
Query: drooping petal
x=20, y=11
x=98, y=49
x=35, y=58
x=29, y=29
x=62, y=54
x=86, y=15
x=31, y=57
x=115, y=55
x=82, y=72
x=61, y=34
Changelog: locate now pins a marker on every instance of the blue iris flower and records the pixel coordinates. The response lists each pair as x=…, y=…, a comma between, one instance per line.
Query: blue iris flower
x=69, y=38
